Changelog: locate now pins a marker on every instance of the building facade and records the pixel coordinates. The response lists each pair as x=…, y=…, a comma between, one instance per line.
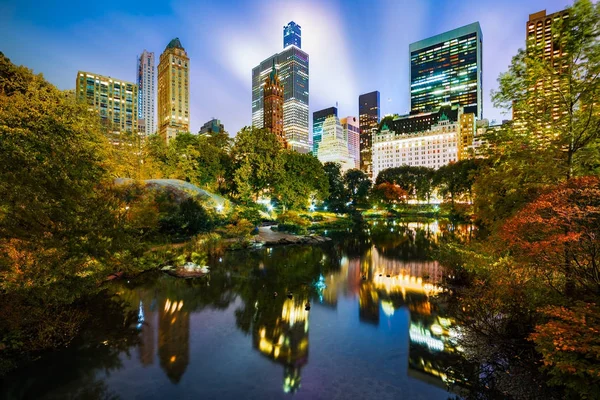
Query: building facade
x=146, y=93
x=318, y=119
x=212, y=127
x=447, y=68
x=273, y=105
x=448, y=134
x=114, y=100
x=292, y=35
x=543, y=41
x=292, y=69
x=334, y=147
x=368, y=114
x=173, y=91
x=351, y=128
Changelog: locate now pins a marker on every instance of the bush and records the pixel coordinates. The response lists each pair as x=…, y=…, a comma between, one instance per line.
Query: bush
x=292, y=223
x=241, y=230
x=251, y=214
x=188, y=219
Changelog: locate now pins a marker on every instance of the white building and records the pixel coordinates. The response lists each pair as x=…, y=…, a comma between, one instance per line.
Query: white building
x=334, y=147
x=432, y=148
x=146, y=93
x=351, y=128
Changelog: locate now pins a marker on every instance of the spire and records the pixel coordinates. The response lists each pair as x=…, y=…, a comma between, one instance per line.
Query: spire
x=174, y=44
x=273, y=72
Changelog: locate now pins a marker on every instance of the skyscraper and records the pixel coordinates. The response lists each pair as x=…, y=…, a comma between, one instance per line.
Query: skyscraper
x=351, y=128
x=540, y=36
x=173, y=91
x=292, y=35
x=446, y=68
x=368, y=115
x=334, y=147
x=146, y=92
x=212, y=126
x=543, y=41
x=113, y=99
x=273, y=105
x=318, y=119
x=292, y=68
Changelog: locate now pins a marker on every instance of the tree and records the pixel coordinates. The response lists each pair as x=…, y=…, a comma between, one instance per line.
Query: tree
x=402, y=176
x=570, y=345
x=256, y=165
x=358, y=185
x=338, y=194
x=302, y=181
x=389, y=193
x=60, y=220
x=557, y=116
x=455, y=180
x=557, y=235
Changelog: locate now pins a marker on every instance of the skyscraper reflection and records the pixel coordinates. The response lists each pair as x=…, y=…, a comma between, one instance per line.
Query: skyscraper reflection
x=281, y=334
x=173, y=338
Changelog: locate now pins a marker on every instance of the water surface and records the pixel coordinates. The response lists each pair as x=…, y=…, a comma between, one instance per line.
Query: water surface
x=377, y=326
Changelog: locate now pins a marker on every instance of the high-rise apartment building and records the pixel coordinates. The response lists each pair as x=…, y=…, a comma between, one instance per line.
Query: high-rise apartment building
x=113, y=99
x=292, y=35
x=318, y=119
x=540, y=36
x=351, y=128
x=273, y=105
x=292, y=69
x=334, y=147
x=173, y=91
x=368, y=114
x=146, y=93
x=447, y=68
x=543, y=41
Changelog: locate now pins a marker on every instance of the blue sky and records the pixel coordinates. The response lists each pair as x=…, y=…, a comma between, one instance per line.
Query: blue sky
x=355, y=46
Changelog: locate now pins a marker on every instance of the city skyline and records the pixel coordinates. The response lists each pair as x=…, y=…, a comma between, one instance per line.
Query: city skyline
x=221, y=67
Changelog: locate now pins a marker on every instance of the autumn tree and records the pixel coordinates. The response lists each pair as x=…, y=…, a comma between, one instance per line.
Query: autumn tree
x=389, y=193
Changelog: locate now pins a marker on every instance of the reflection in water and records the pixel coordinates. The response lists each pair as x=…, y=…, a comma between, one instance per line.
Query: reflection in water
x=381, y=268
x=285, y=340
x=173, y=338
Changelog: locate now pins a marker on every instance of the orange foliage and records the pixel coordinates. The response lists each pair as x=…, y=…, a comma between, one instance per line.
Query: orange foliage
x=560, y=232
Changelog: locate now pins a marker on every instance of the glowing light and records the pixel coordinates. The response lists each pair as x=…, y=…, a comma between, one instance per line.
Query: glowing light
x=437, y=329
x=173, y=358
x=388, y=307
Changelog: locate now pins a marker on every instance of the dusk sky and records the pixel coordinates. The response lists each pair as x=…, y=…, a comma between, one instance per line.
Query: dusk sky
x=354, y=46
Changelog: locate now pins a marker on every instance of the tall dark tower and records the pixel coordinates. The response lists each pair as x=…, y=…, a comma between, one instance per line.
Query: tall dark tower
x=368, y=115
x=447, y=68
x=292, y=35
x=273, y=105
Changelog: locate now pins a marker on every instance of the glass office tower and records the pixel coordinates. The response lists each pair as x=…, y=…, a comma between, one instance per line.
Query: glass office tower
x=446, y=68
x=318, y=119
x=292, y=68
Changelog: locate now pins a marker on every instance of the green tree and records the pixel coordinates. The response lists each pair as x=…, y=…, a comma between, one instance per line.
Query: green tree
x=338, y=194
x=358, y=185
x=256, y=165
x=302, y=181
x=455, y=180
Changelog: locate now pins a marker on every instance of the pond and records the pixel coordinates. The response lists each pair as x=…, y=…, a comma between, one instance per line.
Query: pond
x=366, y=315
